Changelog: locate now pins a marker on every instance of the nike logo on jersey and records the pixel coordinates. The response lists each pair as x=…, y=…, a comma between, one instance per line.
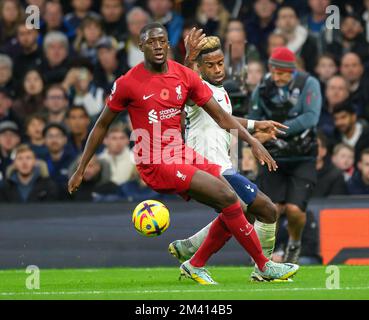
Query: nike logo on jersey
x=147, y=97
x=248, y=187
x=219, y=100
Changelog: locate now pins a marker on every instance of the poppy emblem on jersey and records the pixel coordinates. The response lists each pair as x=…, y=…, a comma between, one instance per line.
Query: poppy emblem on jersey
x=164, y=94
x=179, y=92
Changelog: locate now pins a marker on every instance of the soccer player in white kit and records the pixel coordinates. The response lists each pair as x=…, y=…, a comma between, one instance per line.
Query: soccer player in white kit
x=205, y=136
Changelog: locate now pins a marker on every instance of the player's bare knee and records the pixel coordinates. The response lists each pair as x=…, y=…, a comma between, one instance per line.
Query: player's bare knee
x=228, y=197
x=293, y=209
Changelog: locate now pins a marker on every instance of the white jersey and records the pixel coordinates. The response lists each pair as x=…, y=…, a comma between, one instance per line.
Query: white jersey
x=204, y=135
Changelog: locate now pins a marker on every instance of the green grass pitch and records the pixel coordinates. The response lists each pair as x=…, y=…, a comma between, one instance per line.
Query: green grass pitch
x=163, y=283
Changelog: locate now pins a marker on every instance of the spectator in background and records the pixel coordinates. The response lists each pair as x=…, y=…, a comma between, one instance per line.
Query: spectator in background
x=235, y=60
x=53, y=20
x=32, y=95
x=212, y=17
x=161, y=11
x=28, y=180
x=34, y=127
x=343, y=158
x=314, y=22
x=78, y=123
x=110, y=65
x=349, y=130
x=249, y=165
x=298, y=39
x=54, y=66
x=91, y=32
x=56, y=103
x=11, y=14
x=29, y=52
x=114, y=21
x=137, y=18
x=275, y=40
x=58, y=157
x=359, y=183
x=6, y=111
x=82, y=90
x=255, y=73
x=261, y=24
x=352, y=69
x=325, y=69
x=234, y=24
x=9, y=140
x=336, y=92
x=6, y=74
x=330, y=180
x=365, y=18
x=96, y=181
x=118, y=155
x=81, y=10
x=352, y=39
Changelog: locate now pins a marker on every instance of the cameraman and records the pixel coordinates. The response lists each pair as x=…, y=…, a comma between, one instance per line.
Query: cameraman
x=294, y=99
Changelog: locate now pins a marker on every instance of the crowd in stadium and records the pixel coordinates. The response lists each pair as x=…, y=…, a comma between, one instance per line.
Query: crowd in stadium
x=54, y=80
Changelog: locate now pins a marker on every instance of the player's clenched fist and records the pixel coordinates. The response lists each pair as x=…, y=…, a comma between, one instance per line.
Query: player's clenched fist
x=75, y=181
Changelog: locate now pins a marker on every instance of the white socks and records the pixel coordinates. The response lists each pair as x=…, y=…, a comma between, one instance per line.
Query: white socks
x=198, y=238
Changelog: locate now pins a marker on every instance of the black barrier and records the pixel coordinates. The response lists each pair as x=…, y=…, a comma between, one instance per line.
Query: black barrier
x=66, y=235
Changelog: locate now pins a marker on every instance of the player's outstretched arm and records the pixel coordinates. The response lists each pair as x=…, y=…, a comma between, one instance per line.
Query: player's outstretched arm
x=94, y=139
x=269, y=129
x=226, y=121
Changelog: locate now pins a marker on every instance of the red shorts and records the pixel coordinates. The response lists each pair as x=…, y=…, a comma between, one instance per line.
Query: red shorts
x=176, y=177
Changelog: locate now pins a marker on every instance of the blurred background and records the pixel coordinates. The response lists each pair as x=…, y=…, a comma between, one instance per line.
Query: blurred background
x=54, y=80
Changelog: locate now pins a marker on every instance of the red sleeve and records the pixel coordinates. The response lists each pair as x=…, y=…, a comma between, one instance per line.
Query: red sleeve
x=199, y=92
x=117, y=100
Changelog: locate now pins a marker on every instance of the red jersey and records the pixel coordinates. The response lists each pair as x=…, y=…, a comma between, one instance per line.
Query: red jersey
x=154, y=103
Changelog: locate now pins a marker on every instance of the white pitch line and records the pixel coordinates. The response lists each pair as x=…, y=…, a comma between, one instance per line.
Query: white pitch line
x=97, y=292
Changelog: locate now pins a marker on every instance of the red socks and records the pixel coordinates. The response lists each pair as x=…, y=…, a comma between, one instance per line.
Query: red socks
x=217, y=236
x=244, y=232
x=230, y=221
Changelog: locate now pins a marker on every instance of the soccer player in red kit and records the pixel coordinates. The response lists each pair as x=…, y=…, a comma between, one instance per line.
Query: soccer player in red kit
x=154, y=93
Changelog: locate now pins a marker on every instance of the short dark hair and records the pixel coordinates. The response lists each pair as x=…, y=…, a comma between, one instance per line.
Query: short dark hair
x=77, y=107
x=57, y=86
x=55, y=125
x=345, y=106
x=91, y=20
x=149, y=26
x=35, y=116
x=286, y=6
